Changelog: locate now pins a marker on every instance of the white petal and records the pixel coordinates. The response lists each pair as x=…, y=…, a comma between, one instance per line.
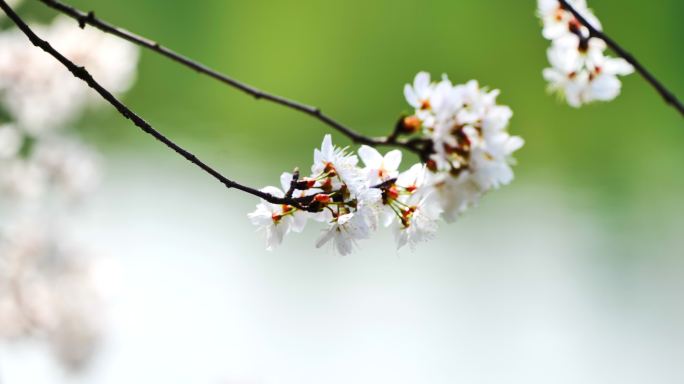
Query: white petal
x=605, y=87
x=514, y=143
x=299, y=220
x=411, y=96
x=273, y=191
x=325, y=237
x=285, y=180
x=370, y=157
x=344, y=246
x=392, y=160
x=422, y=82
x=618, y=66
x=327, y=146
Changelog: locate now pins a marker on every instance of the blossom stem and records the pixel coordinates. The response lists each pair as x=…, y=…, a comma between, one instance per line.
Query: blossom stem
x=293, y=183
x=83, y=74
x=89, y=18
x=666, y=94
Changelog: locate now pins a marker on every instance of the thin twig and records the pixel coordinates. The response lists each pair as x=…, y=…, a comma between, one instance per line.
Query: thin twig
x=83, y=74
x=293, y=183
x=667, y=95
x=89, y=18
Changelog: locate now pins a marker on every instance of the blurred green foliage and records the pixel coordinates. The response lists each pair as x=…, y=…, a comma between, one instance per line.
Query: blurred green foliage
x=352, y=58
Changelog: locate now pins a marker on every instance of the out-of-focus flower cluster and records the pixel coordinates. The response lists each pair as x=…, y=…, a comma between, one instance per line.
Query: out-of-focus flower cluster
x=38, y=92
x=580, y=71
x=46, y=291
x=468, y=151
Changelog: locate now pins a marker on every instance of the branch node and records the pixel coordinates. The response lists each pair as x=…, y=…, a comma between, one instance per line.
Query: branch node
x=293, y=183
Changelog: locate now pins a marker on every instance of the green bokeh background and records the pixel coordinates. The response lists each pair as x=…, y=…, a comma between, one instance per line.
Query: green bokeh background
x=576, y=267
x=352, y=58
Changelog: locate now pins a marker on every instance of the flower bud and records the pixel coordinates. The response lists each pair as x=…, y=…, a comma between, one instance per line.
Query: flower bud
x=431, y=165
x=322, y=198
x=411, y=124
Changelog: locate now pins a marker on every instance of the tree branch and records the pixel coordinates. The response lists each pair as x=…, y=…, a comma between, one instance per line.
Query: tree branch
x=667, y=95
x=84, y=75
x=89, y=18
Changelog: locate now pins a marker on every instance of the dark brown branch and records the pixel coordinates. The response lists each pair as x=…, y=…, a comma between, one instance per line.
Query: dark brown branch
x=89, y=18
x=667, y=95
x=84, y=75
x=293, y=183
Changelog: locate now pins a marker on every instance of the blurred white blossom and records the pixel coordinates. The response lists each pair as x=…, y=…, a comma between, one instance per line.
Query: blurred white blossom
x=47, y=290
x=580, y=71
x=10, y=141
x=56, y=164
x=71, y=167
x=39, y=93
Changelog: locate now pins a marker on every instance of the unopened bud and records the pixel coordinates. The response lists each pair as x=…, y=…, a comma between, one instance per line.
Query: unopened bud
x=411, y=124
x=305, y=184
x=393, y=193
x=327, y=185
x=431, y=165
x=322, y=198
x=329, y=169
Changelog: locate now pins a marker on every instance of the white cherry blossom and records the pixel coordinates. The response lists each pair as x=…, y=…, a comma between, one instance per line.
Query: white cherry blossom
x=580, y=71
x=454, y=195
x=335, y=161
x=419, y=222
x=557, y=21
x=380, y=168
x=277, y=220
x=344, y=231
x=469, y=152
x=472, y=147
x=418, y=95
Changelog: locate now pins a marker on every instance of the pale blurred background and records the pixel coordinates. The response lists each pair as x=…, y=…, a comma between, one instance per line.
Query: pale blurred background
x=573, y=274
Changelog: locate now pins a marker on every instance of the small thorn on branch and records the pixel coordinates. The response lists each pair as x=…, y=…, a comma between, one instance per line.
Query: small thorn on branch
x=83, y=21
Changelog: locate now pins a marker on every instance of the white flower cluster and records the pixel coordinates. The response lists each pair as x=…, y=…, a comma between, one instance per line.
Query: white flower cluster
x=468, y=131
x=580, y=71
x=468, y=153
x=45, y=285
x=41, y=97
x=352, y=200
